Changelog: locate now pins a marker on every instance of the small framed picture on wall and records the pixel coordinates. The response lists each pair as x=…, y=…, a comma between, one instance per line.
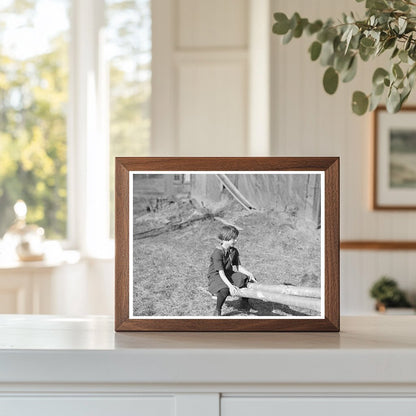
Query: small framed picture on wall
x=227, y=244
x=394, y=179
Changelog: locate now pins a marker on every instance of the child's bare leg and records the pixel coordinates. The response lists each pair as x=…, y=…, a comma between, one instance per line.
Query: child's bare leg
x=221, y=296
x=244, y=304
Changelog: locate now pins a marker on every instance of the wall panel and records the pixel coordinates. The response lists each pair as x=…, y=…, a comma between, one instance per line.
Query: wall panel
x=211, y=24
x=308, y=122
x=200, y=77
x=212, y=108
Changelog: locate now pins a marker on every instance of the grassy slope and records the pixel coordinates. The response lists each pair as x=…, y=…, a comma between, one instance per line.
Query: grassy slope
x=170, y=269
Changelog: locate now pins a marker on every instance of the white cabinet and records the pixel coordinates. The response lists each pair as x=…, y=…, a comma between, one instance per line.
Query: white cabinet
x=88, y=406
x=79, y=366
x=202, y=405
x=324, y=406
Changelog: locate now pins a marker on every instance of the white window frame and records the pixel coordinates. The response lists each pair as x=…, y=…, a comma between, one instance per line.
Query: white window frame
x=88, y=136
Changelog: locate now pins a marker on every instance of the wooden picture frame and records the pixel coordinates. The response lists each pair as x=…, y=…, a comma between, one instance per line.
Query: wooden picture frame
x=132, y=255
x=394, y=157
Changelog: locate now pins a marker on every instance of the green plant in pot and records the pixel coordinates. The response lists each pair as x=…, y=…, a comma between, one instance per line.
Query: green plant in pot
x=387, y=294
x=389, y=27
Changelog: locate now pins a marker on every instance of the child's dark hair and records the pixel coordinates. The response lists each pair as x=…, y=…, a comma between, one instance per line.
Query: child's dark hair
x=227, y=233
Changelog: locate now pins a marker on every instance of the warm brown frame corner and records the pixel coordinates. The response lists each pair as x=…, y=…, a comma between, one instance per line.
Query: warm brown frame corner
x=330, y=165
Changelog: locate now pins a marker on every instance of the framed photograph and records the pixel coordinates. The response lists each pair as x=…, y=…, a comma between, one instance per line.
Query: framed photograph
x=227, y=244
x=394, y=159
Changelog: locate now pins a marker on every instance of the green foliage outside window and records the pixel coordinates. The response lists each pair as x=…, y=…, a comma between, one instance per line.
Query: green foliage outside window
x=34, y=103
x=129, y=39
x=33, y=98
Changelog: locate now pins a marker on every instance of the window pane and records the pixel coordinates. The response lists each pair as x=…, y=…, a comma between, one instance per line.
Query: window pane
x=129, y=45
x=33, y=99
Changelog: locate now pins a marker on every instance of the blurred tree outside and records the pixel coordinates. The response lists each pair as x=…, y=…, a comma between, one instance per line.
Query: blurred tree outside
x=33, y=99
x=34, y=67
x=129, y=46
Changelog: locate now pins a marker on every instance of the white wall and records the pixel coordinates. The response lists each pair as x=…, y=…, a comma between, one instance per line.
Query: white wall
x=211, y=92
x=213, y=67
x=308, y=122
x=200, y=77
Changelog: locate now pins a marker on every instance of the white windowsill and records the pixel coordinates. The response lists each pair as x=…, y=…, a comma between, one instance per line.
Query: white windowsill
x=56, y=256
x=65, y=257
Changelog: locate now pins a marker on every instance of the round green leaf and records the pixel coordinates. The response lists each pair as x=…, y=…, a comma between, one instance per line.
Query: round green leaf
x=376, y=4
x=395, y=52
x=351, y=71
x=322, y=36
x=367, y=42
x=400, y=5
x=379, y=75
x=412, y=69
x=315, y=50
x=411, y=74
x=294, y=20
x=403, y=56
x=327, y=54
x=342, y=62
x=393, y=101
x=332, y=33
x=408, y=42
x=281, y=26
x=374, y=102
x=378, y=90
x=298, y=30
x=412, y=52
x=366, y=53
x=288, y=37
x=355, y=41
x=403, y=96
x=359, y=103
x=389, y=43
x=397, y=71
x=411, y=77
x=330, y=80
x=314, y=27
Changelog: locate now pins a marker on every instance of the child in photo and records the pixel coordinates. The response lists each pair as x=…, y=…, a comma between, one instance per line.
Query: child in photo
x=226, y=274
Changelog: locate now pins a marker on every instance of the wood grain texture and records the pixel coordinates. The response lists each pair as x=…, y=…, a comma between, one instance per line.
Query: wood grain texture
x=330, y=165
x=332, y=265
x=121, y=244
x=378, y=245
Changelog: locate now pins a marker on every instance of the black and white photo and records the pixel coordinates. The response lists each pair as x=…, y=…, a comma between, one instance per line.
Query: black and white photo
x=224, y=244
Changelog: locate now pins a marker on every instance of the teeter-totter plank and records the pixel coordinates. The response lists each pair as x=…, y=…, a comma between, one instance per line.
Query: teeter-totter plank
x=308, y=292
x=289, y=300
x=270, y=293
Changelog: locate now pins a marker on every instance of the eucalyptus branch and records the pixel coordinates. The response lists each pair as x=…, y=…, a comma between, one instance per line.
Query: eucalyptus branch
x=389, y=25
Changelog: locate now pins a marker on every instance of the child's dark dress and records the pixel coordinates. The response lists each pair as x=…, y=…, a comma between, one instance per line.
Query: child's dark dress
x=224, y=260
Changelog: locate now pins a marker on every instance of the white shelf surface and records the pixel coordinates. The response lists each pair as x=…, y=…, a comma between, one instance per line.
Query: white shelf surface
x=53, y=349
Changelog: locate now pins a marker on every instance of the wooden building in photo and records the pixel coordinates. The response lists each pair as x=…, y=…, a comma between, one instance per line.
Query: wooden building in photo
x=295, y=193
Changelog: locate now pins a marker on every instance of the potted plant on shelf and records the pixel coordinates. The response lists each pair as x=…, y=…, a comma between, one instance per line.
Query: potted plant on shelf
x=387, y=294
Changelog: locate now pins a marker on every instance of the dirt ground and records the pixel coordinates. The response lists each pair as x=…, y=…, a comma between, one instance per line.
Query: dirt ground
x=170, y=269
